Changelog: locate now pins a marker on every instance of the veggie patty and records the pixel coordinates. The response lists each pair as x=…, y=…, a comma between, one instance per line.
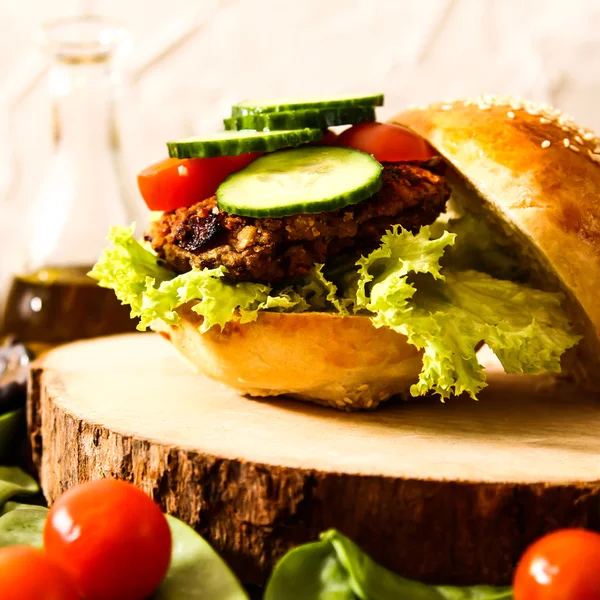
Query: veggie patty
x=270, y=250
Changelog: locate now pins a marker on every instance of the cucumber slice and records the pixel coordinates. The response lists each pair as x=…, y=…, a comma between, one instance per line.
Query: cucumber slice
x=253, y=107
x=304, y=180
x=233, y=143
x=320, y=118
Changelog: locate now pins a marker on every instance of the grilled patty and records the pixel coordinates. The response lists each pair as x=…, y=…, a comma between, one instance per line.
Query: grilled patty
x=278, y=249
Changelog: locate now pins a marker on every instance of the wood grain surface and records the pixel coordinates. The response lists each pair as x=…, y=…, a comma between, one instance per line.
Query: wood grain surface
x=442, y=492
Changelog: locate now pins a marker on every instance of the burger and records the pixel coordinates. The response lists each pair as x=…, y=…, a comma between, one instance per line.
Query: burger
x=347, y=266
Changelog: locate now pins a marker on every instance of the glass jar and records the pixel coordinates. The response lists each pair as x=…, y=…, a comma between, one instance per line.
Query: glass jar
x=51, y=299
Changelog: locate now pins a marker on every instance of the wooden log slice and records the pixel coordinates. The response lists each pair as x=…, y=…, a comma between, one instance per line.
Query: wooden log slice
x=440, y=492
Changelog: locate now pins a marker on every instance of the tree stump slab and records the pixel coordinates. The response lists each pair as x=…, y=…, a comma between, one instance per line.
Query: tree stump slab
x=445, y=493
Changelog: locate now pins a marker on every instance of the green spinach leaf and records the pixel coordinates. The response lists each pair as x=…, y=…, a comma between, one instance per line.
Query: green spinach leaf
x=15, y=482
x=337, y=569
x=12, y=424
x=310, y=572
x=22, y=524
x=196, y=570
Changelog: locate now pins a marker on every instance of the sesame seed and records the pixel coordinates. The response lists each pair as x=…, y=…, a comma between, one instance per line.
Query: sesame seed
x=369, y=403
x=595, y=157
x=510, y=114
x=546, y=115
x=447, y=107
x=347, y=400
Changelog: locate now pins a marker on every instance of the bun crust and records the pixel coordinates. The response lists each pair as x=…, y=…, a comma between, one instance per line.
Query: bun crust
x=535, y=173
x=343, y=362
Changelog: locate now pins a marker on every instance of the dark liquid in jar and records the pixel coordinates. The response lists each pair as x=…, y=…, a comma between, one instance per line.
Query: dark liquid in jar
x=57, y=305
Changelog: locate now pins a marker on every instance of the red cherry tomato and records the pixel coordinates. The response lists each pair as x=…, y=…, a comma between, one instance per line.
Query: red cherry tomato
x=386, y=142
x=564, y=565
x=174, y=183
x=111, y=538
x=28, y=574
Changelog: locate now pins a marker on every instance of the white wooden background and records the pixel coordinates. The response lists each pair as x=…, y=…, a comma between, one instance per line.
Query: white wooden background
x=192, y=58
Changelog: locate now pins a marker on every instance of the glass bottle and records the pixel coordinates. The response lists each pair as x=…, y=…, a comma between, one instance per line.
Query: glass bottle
x=52, y=300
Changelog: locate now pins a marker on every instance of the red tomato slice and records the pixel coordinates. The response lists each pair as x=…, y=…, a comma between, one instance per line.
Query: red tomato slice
x=564, y=565
x=174, y=183
x=28, y=574
x=111, y=538
x=386, y=142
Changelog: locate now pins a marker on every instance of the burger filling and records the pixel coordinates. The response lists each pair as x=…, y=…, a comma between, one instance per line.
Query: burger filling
x=272, y=250
x=358, y=226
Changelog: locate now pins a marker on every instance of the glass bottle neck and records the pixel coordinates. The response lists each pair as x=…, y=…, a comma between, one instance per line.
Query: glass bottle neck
x=83, y=106
x=82, y=193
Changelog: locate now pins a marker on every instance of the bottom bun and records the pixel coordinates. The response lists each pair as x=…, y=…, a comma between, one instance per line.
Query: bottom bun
x=343, y=362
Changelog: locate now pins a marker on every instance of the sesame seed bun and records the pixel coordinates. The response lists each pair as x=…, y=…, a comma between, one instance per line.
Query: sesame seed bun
x=534, y=173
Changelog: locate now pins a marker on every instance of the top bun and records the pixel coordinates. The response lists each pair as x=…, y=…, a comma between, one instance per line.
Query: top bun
x=535, y=173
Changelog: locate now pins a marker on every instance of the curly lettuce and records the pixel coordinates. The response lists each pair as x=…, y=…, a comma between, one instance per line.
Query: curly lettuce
x=448, y=314
x=445, y=308
x=155, y=293
x=482, y=247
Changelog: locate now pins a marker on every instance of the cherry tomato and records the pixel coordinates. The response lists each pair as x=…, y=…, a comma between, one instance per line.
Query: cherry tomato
x=28, y=574
x=174, y=183
x=111, y=538
x=564, y=565
x=386, y=142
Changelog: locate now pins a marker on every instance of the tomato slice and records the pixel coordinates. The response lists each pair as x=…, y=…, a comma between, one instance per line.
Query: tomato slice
x=386, y=142
x=111, y=538
x=28, y=574
x=564, y=565
x=174, y=183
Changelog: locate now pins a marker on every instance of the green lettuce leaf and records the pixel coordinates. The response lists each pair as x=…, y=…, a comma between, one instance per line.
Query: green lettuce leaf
x=335, y=568
x=128, y=268
x=154, y=293
x=322, y=294
x=482, y=247
x=446, y=310
x=399, y=254
x=449, y=313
